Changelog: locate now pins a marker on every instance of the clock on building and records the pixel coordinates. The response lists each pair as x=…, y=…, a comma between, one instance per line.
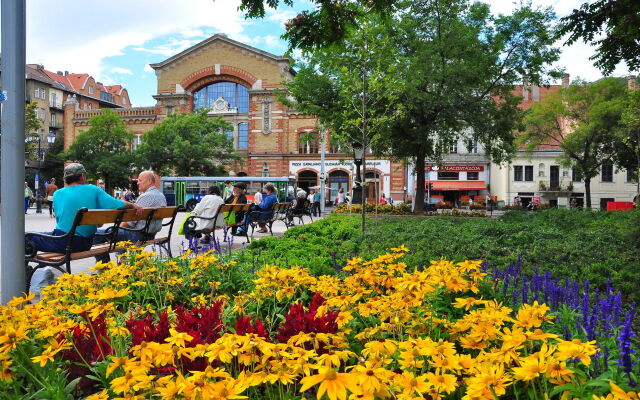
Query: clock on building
x=220, y=105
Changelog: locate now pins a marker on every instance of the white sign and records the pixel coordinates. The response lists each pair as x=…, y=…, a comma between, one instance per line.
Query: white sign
x=294, y=166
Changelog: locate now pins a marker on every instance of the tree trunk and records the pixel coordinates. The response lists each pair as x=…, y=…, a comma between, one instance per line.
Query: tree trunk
x=637, y=199
x=420, y=180
x=587, y=191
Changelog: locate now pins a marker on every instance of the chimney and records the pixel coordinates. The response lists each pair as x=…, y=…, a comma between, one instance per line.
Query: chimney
x=40, y=67
x=59, y=72
x=631, y=82
x=66, y=73
x=565, y=80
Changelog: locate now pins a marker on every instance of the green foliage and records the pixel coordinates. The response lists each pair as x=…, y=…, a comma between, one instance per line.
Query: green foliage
x=32, y=125
x=187, y=145
x=628, y=136
x=619, y=25
x=580, y=244
x=580, y=120
x=104, y=149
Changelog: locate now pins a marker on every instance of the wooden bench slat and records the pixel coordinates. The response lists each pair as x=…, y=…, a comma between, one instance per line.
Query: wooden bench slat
x=99, y=217
x=130, y=215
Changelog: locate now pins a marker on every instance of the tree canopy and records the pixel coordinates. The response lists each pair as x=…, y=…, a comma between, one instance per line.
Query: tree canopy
x=441, y=71
x=104, y=149
x=187, y=145
x=580, y=120
x=613, y=26
x=628, y=137
x=328, y=22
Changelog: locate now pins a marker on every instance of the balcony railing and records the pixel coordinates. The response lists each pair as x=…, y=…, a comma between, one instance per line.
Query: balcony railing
x=55, y=124
x=55, y=104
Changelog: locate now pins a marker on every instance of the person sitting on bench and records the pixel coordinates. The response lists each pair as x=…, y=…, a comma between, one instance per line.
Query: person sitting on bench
x=208, y=208
x=150, y=198
x=261, y=212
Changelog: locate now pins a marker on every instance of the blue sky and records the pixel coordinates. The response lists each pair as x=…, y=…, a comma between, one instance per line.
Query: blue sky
x=116, y=40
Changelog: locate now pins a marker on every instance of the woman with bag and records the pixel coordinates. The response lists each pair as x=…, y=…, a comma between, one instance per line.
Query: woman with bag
x=51, y=189
x=237, y=198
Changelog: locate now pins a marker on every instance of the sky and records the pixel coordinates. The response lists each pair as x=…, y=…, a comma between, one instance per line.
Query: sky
x=116, y=40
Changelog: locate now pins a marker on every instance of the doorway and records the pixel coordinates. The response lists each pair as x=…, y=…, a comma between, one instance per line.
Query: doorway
x=338, y=179
x=372, y=179
x=306, y=179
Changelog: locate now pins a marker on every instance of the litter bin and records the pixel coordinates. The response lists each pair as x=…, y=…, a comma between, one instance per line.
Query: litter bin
x=500, y=204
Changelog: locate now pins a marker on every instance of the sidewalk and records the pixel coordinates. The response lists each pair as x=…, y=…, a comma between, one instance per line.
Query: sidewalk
x=43, y=223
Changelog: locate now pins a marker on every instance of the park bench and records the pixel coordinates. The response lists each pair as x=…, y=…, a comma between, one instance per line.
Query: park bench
x=85, y=216
x=280, y=213
x=190, y=225
x=299, y=211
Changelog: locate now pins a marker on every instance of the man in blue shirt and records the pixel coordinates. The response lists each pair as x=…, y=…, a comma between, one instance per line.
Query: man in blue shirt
x=265, y=211
x=66, y=202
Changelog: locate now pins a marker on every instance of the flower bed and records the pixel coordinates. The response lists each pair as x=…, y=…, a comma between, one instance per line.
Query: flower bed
x=405, y=209
x=200, y=328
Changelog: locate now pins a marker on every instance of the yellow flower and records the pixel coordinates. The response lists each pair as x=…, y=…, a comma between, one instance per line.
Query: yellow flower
x=576, y=349
x=332, y=382
x=104, y=395
x=530, y=368
x=135, y=378
x=411, y=384
x=45, y=357
x=442, y=382
x=371, y=377
x=17, y=301
x=178, y=338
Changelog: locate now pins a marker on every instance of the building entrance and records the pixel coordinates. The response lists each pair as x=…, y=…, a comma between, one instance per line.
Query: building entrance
x=306, y=179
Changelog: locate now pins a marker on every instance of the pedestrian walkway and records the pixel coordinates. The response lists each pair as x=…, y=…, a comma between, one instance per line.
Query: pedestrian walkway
x=43, y=223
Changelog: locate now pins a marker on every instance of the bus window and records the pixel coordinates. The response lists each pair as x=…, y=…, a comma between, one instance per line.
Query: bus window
x=168, y=187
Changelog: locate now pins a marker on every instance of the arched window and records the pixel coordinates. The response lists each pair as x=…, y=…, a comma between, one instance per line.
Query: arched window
x=308, y=143
x=243, y=136
x=235, y=94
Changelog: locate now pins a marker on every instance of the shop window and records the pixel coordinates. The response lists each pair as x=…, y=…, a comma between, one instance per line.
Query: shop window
x=473, y=176
x=448, y=176
x=607, y=172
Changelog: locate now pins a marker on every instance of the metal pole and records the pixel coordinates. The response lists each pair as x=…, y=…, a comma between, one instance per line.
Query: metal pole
x=38, y=176
x=12, y=270
x=322, y=172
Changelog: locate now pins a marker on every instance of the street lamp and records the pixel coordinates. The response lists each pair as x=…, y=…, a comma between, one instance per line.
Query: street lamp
x=358, y=154
x=37, y=182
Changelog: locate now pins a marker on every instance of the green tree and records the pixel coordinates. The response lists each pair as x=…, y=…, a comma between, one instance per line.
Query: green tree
x=104, y=149
x=628, y=137
x=54, y=160
x=328, y=22
x=32, y=125
x=187, y=145
x=580, y=120
x=618, y=21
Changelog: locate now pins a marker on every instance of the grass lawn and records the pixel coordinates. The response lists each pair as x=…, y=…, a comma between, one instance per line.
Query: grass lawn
x=594, y=246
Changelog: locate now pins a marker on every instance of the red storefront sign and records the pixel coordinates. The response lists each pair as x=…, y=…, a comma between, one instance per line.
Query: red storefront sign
x=457, y=168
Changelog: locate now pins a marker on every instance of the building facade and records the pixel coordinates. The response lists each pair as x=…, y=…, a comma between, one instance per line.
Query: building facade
x=241, y=84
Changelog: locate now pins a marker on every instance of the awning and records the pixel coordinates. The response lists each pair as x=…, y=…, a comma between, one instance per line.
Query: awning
x=458, y=185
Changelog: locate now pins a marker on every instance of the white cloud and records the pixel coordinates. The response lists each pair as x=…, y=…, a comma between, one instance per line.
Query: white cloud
x=147, y=68
x=120, y=70
x=120, y=24
x=281, y=17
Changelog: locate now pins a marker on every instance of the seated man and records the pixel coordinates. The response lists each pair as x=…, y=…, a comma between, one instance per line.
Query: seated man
x=264, y=211
x=66, y=202
x=150, y=198
x=207, y=208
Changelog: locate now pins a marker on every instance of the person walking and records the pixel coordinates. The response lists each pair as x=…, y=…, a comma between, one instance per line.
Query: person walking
x=51, y=189
x=341, y=196
x=28, y=195
x=316, y=203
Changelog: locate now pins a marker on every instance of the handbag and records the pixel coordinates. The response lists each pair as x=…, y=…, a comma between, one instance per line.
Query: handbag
x=181, y=227
x=230, y=217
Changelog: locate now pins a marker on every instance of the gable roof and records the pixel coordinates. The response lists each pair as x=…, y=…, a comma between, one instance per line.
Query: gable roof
x=60, y=81
x=218, y=38
x=78, y=81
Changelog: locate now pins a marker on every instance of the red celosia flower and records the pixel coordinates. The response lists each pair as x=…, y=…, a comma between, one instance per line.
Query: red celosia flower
x=146, y=330
x=297, y=320
x=244, y=326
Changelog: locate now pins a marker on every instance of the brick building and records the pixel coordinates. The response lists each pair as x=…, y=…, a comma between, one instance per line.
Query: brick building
x=240, y=83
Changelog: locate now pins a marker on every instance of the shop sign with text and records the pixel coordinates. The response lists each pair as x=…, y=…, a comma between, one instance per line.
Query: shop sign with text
x=457, y=168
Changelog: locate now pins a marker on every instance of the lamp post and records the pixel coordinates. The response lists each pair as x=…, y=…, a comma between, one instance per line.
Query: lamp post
x=358, y=154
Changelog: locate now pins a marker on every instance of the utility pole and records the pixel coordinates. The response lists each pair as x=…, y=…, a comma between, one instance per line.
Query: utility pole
x=12, y=270
x=323, y=178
